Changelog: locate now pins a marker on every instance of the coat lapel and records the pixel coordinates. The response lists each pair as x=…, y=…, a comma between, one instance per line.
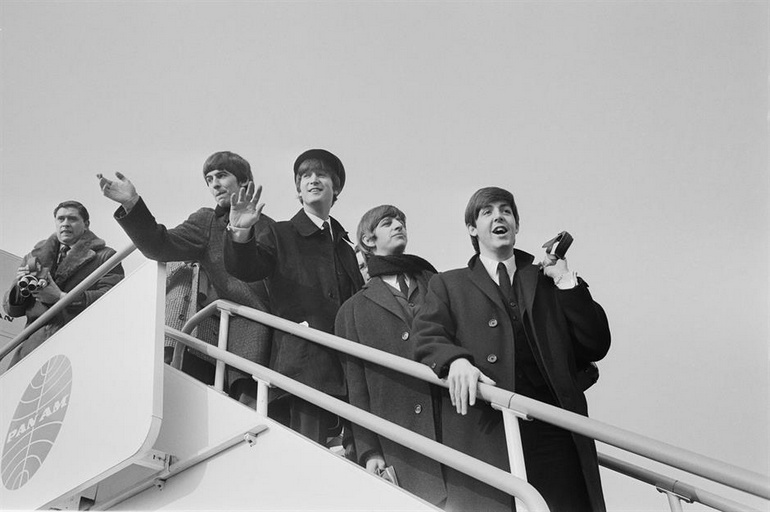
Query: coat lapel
x=81, y=253
x=528, y=276
x=481, y=279
x=377, y=291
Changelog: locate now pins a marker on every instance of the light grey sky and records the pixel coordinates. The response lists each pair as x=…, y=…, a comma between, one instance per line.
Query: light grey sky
x=640, y=127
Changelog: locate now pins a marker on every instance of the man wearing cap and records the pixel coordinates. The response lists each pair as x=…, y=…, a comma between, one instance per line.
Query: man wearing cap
x=62, y=261
x=199, y=239
x=311, y=269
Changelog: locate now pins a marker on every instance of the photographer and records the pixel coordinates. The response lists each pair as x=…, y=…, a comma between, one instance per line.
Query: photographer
x=54, y=267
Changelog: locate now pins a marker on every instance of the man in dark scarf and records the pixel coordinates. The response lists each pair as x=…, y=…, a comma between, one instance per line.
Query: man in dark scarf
x=380, y=316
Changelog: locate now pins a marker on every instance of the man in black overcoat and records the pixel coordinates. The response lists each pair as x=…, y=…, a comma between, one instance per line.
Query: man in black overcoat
x=507, y=321
x=311, y=269
x=381, y=316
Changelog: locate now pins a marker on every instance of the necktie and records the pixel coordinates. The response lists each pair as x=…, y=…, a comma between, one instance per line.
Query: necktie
x=327, y=230
x=504, y=280
x=63, y=250
x=401, y=278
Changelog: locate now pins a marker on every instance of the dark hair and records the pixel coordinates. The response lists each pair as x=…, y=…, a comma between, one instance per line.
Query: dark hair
x=484, y=197
x=76, y=205
x=230, y=162
x=314, y=164
x=370, y=220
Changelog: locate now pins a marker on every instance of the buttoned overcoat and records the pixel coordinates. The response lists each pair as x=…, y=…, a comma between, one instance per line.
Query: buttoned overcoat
x=375, y=318
x=304, y=280
x=464, y=316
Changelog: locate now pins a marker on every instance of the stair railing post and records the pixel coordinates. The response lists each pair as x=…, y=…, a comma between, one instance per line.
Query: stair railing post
x=515, y=450
x=224, y=332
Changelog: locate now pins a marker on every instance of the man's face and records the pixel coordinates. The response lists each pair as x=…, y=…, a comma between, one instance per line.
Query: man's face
x=222, y=184
x=496, y=230
x=389, y=237
x=316, y=187
x=70, y=226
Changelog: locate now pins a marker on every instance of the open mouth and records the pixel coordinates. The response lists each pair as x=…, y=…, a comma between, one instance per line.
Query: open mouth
x=500, y=230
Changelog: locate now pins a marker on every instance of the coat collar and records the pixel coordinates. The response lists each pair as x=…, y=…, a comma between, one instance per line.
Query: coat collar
x=378, y=292
x=83, y=251
x=526, y=272
x=306, y=227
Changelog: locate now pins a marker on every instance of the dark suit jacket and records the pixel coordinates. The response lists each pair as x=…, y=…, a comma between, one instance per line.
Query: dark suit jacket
x=299, y=264
x=464, y=316
x=374, y=317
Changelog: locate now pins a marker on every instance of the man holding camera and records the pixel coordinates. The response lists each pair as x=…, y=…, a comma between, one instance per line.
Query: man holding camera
x=54, y=267
x=505, y=320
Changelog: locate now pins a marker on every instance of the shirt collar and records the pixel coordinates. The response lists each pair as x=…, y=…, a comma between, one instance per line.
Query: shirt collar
x=490, y=266
x=318, y=221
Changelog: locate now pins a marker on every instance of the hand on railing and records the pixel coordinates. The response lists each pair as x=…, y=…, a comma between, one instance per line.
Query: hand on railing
x=463, y=379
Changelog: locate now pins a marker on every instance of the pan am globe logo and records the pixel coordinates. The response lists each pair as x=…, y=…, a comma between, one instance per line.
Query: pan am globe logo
x=36, y=422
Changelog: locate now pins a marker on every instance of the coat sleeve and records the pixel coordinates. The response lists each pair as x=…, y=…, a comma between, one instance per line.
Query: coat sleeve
x=589, y=327
x=14, y=304
x=435, y=330
x=101, y=286
x=253, y=260
x=185, y=242
x=367, y=442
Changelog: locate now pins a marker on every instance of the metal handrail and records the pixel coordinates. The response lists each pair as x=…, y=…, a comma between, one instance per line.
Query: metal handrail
x=483, y=471
x=69, y=297
x=667, y=484
x=706, y=467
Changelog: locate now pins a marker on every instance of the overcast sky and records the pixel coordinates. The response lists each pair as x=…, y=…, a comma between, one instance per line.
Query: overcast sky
x=641, y=128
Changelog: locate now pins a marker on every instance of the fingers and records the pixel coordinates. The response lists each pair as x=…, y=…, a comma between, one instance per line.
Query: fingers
x=472, y=388
x=120, y=176
x=465, y=390
x=486, y=380
x=257, y=193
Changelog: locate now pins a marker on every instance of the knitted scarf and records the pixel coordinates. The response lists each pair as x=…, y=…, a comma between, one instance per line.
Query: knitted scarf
x=398, y=264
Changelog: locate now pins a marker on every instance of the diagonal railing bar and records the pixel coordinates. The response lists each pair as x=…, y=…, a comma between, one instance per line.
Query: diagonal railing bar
x=706, y=467
x=667, y=484
x=462, y=462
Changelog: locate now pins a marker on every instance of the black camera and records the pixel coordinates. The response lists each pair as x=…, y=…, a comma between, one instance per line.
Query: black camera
x=29, y=283
x=559, y=244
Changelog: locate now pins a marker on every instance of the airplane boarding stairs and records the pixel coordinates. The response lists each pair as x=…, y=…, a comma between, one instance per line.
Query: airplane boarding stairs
x=94, y=419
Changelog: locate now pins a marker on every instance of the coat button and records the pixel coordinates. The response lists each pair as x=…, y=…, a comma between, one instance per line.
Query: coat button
x=405, y=336
x=493, y=323
x=411, y=304
x=417, y=409
x=433, y=365
x=491, y=358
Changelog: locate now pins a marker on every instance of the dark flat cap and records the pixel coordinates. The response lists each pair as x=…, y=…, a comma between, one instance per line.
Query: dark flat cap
x=325, y=156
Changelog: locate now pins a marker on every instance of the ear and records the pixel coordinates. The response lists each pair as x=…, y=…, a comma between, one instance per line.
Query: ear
x=475, y=232
x=368, y=241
